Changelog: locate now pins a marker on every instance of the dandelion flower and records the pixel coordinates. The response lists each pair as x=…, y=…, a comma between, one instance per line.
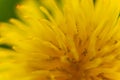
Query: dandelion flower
x=62, y=40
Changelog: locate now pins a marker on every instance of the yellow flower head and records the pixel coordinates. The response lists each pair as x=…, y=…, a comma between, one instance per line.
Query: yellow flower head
x=62, y=40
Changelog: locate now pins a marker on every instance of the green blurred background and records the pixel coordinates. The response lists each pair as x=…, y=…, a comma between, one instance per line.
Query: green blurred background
x=7, y=9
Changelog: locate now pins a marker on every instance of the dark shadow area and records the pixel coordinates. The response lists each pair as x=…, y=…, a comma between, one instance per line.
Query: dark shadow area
x=6, y=46
x=7, y=9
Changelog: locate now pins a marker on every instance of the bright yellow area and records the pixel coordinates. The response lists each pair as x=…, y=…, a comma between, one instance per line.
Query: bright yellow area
x=64, y=40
